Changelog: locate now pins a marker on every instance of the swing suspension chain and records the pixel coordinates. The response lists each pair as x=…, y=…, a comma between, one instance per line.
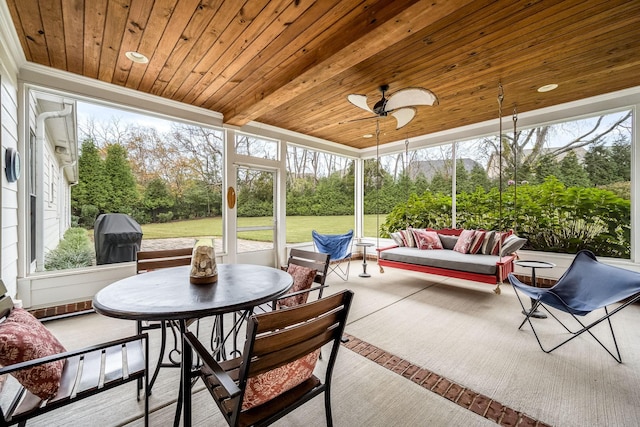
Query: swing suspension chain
x=515, y=168
x=377, y=183
x=500, y=99
x=406, y=169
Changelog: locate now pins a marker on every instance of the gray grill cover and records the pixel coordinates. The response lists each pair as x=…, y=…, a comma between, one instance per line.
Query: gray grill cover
x=117, y=238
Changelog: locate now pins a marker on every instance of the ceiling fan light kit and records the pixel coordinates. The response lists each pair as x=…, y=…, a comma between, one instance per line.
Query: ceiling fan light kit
x=400, y=104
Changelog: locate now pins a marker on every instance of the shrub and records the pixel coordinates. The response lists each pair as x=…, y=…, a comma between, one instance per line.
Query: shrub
x=621, y=189
x=74, y=251
x=552, y=217
x=141, y=217
x=88, y=215
x=165, y=216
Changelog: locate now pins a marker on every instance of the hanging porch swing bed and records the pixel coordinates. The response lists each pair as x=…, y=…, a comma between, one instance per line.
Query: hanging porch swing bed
x=475, y=255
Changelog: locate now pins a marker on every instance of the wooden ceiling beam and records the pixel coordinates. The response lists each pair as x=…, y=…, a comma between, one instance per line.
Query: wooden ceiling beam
x=409, y=21
x=251, y=45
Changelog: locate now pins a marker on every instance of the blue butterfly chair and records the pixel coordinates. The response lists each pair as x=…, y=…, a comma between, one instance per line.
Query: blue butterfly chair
x=338, y=246
x=586, y=286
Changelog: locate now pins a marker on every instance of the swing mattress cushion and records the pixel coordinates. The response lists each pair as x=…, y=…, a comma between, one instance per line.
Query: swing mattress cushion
x=444, y=258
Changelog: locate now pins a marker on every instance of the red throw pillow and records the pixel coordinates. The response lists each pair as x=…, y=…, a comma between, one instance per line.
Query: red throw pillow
x=266, y=386
x=427, y=239
x=476, y=246
x=465, y=240
x=24, y=338
x=302, y=279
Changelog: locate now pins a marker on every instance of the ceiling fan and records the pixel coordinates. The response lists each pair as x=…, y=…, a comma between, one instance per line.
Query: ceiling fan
x=399, y=105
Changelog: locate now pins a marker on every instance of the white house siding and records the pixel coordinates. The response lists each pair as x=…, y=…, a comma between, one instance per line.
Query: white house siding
x=9, y=195
x=50, y=217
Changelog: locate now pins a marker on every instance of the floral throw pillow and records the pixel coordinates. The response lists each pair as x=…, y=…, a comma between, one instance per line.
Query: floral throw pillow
x=427, y=239
x=302, y=279
x=24, y=338
x=464, y=241
x=266, y=386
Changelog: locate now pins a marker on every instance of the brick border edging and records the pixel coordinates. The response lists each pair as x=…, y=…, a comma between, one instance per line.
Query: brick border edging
x=464, y=397
x=59, y=310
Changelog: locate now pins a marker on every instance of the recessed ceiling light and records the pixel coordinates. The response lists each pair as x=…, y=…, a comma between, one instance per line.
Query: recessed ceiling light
x=137, y=57
x=367, y=135
x=547, y=88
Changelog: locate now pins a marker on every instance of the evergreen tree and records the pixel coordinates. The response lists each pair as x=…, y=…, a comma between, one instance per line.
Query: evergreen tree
x=93, y=186
x=421, y=184
x=463, y=184
x=157, y=197
x=478, y=178
x=124, y=195
x=545, y=166
x=621, y=160
x=440, y=184
x=597, y=163
x=572, y=174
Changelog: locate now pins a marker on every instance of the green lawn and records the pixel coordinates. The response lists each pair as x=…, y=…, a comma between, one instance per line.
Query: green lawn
x=298, y=227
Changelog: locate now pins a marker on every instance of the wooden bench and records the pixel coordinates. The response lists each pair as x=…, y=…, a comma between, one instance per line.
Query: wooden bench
x=85, y=372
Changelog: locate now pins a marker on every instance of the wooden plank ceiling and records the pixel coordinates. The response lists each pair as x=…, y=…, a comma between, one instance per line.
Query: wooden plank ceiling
x=291, y=63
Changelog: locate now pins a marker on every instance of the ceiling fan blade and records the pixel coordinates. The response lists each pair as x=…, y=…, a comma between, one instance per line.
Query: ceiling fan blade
x=404, y=116
x=359, y=101
x=409, y=97
x=357, y=120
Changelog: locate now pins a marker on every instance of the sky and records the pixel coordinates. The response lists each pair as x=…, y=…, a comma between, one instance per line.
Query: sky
x=101, y=113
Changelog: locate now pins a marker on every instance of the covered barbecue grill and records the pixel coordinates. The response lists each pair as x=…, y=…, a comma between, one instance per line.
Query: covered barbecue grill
x=117, y=238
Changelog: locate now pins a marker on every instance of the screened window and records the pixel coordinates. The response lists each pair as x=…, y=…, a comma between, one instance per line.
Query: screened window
x=320, y=193
x=253, y=146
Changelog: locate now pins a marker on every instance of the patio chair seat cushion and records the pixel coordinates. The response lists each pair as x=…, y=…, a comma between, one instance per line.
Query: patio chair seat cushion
x=303, y=278
x=24, y=338
x=266, y=386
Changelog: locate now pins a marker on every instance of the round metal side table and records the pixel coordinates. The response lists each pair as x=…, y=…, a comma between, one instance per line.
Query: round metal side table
x=364, y=246
x=533, y=265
